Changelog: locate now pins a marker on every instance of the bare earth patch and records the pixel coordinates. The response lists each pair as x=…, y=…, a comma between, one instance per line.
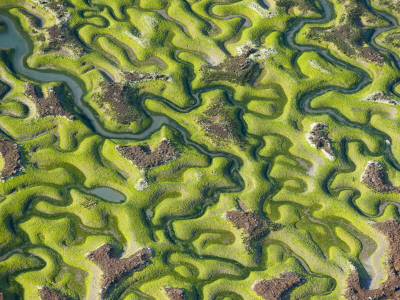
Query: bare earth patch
x=277, y=288
x=317, y=138
x=380, y=97
x=237, y=69
x=390, y=289
x=47, y=106
x=220, y=124
x=12, y=158
x=114, y=269
x=174, y=293
x=1, y=296
x=137, y=76
x=144, y=157
x=118, y=100
x=49, y=294
x=375, y=178
x=306, y=6
x=254, y=227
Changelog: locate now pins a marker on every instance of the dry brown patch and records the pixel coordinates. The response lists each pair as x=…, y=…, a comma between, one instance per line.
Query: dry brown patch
x=175, y=293
x=390, y=289
x=306, y=6
x=277, y=288
x=254, y=227
x=49, y=294
x=118, y=100
x=12, y=158
x=114, y=269
x=138, y=76
x=1, y=296
x=61, y=36
x=236, y=69
x=317, y=137
x=47, y=106
x=220, y=123
x=143, y=157
x=375, y=178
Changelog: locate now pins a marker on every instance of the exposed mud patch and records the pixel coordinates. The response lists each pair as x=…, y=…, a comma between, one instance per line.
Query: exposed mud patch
x=349, y=33
x=144, y=157
x=12, y=158
x=49, y=294
x=253, y=226
x=47, y=106
x=317, y=138
x=61, y=36
x=277, y=288
x=137, y=76
x=375, y=178
x=1, y=296
x=380, y=97
x=118, y=101
x=220, y=123
x=237, y=69
x=174, y=293
x=390, y=289
x=305, y=6
x=114, y=269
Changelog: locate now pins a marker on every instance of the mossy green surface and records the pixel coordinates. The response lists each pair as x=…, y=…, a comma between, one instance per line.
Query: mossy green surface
x=240, y=102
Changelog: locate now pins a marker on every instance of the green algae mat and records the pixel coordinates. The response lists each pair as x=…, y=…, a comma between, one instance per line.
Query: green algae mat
x=199, y=149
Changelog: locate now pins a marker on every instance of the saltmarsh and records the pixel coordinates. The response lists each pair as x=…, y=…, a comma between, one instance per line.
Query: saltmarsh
x=189, y=113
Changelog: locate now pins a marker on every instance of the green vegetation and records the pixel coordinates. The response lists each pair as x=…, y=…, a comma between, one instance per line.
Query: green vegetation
x=240, y=157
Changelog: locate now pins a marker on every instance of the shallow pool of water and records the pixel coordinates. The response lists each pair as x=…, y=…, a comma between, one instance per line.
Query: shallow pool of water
x=108, y=194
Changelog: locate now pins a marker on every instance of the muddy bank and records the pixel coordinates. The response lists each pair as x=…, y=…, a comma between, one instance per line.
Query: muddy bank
x=277, y=288
x=174, y=293
x=305, y=6
x=380, y=97
x=348, y=35
x=143, y=157
x=114, y=269
x=12, y=158
x=390, y=289
x=138, y=76
x=236, y=69
x=61, y=37
x=47, y=106
x=317, y=137
x=220, y=123
x=253, y=227
x=119, y=100
x=375, y=177
x=49, y=294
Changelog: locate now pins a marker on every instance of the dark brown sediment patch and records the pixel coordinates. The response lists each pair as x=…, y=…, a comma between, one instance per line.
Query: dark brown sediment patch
x=12, y=158
x=47, y=106
x=114, y=269
x=174, y=293
x=144, y=157
x=236, y=69
x=317, y=137
x=277, y=288
x=375, y=178
x=49, y=294
x=254, y=227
